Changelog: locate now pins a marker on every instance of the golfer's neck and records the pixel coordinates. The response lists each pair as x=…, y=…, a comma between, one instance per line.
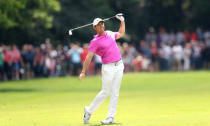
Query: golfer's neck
x=101, y=33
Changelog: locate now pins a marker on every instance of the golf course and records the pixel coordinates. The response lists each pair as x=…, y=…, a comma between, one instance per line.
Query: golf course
x=146, y=99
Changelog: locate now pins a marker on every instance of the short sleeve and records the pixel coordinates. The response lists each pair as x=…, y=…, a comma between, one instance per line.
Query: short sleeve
x=112, y=34
x=92, y=47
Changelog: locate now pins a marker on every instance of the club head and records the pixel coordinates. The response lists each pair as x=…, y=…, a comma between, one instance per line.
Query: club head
x=70, y=32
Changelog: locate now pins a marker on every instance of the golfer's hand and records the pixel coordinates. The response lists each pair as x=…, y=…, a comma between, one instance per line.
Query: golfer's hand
x=81, y=76
x=120, y=17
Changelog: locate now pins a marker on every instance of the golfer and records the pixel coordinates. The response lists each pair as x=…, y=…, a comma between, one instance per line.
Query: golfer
x=104, y=44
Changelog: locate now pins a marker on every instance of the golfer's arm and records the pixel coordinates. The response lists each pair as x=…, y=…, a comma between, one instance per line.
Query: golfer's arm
x=87, y=61
x=121, y=31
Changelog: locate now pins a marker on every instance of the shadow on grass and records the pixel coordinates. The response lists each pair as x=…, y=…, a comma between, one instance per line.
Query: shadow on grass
x=104, y=124
x=8, y=90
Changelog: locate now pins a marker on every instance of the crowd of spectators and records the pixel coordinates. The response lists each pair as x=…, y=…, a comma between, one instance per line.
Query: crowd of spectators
x=164, y=51
x=158, y=51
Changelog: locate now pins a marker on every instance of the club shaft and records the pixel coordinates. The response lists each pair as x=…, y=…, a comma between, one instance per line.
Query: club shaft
x=81, y=26
x=90, y=24
x=108, y=18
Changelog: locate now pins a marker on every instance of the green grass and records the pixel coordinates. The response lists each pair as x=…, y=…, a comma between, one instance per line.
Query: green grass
x=146, y=99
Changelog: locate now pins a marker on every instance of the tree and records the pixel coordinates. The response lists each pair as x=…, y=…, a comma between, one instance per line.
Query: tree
x=27, y=13
x=19, y=16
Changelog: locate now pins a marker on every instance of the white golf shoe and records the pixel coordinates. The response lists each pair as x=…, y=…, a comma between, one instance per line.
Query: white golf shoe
x=108, y=120
x=86, y=116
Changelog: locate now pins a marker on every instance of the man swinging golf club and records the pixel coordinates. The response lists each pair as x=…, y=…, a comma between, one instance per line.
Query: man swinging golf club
x=104, y=44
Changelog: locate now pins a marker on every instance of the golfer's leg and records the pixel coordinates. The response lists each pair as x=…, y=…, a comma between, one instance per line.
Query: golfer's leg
x=115, y=93
x=106, y=86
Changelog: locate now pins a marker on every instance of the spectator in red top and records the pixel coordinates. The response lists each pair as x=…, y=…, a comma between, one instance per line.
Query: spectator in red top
x=16, y=61
x=84, y=52
x=187, y=36
x=194, y=36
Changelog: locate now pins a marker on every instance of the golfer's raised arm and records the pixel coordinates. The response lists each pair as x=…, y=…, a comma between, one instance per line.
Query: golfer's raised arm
x=86, y=64
x=121, y=31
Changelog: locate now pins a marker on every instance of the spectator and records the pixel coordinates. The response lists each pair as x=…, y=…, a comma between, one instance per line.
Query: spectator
x=172, y=38
x=8, y=63
x=126, y=57
x=166, y=55
x=38, y=62
x=207, y=42
x=75, y=53
x=141, y=63
x=52, y=66
x=206, y=35
x=164, y=37
x=48, y=44
x=194, y=36
x=16, y=61
x=47, y=65
x=187, y=55
x=144, y=49
x=137, y=62
x=59, y=50
x=187, y=36
x=59, y=61
x=206, y=57
x=132, y=52
x=196, y=53
x=29, y=57
x=24, y=60
x=53, y=54
x=1, y=64
x=64, y=61
x=162, y=61
x=177, y=51
x=84, y=52
x=43, y=49
x=199, y=34
x=154, y=56
x=180, y=37
x=151, y=35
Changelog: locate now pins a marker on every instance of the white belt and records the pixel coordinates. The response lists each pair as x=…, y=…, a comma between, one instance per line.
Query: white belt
x=115, y=63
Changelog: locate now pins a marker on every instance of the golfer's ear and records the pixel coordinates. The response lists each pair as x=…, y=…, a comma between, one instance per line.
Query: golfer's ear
x=94, y=27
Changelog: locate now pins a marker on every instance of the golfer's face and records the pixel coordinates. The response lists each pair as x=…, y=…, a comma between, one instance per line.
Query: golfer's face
x=99, y=27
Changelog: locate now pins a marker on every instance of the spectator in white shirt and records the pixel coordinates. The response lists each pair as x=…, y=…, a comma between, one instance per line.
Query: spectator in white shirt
x=177, y=55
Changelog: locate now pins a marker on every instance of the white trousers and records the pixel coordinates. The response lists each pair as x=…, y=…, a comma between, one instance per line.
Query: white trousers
x=111, y=80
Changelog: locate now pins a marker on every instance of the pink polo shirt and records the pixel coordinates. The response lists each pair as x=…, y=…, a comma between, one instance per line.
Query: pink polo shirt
x=106, y=47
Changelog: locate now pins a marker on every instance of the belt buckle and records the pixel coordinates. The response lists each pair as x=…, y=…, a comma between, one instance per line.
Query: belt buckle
x=115, y=63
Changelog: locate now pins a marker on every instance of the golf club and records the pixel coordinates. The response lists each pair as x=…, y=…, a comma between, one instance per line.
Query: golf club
x=106, y=19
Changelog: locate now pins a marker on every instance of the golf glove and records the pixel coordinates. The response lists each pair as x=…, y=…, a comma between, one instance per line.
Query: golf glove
x=120, y=17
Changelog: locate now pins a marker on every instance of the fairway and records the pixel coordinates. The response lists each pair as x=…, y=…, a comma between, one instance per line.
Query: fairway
x=146, y=99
